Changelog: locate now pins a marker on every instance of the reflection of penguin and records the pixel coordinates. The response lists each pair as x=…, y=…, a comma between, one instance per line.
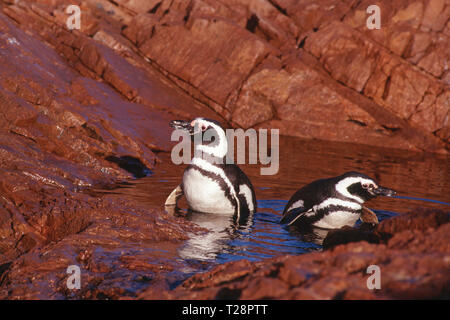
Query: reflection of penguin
x=309, y=234
x=222, y=229
x=213, y=187
x=332, y=203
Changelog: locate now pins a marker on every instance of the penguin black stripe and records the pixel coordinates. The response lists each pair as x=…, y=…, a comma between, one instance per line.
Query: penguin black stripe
x=219, y=180
x=321, y=213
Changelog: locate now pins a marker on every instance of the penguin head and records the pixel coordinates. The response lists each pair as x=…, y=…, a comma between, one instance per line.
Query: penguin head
x=197, y=125
x=360, y=187
x=208, y=135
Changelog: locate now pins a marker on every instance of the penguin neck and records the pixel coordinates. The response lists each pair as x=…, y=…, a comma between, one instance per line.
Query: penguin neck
x=214, y=151
x=210, y=158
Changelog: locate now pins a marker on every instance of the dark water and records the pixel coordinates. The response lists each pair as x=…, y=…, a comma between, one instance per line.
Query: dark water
x=411, y=174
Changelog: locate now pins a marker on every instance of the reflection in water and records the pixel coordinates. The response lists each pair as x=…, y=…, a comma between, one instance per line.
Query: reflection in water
x=222, y=229
x=310, y=234
x=258, y=236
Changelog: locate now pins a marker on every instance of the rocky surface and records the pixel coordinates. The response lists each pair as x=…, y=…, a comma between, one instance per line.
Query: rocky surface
x=296, y=64
x=120, y=249
x=87, y=108
x=413, y=254
x=292, y=65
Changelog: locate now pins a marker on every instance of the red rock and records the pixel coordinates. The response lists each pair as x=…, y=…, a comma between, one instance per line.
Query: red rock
x=293, y=274
x=248, y=97
x=203, y=58
x=140, y=28
x=434, y=16
x=418, y=220
x=258, y=289
x=342, y=236
x=434, y=61
x=223, y=274
x=388, y=81
x=140, y=6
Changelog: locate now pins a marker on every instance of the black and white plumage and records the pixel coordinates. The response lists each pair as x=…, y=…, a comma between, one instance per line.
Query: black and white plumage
x=213, y=186
x=332, y=203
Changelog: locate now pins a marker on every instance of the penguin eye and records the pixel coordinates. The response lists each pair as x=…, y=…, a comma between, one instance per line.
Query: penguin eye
x=199, y=125
x=365, y=185
x=202, y=126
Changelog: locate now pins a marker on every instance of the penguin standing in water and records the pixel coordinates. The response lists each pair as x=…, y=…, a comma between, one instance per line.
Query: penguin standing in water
x=210, y=185
x=332, y=203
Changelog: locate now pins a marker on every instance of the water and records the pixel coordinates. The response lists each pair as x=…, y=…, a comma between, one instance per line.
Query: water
x=261, y=237
x=419, y=179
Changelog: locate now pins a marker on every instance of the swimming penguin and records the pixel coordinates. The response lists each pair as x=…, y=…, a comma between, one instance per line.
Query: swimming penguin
x=211, y=185
x=332, y=203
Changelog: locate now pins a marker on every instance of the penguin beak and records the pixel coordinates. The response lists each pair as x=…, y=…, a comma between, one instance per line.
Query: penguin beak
x=382, y=191
x=182, y=125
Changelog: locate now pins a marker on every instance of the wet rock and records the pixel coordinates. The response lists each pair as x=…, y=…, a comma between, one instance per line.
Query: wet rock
x=222, y=274
x=421, y=219
x=118, y=254
x=258, y=289
x=347, y=235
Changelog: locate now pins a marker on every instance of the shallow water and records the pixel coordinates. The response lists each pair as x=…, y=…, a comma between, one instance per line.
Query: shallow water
x=410, y=174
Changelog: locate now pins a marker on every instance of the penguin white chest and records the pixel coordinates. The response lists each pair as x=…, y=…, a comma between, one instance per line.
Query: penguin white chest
x=338, y=219
x=204, y=194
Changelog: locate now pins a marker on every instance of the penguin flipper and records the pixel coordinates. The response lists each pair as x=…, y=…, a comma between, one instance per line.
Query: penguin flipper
x=368, y=216
x=174, y=196
x=290, y=216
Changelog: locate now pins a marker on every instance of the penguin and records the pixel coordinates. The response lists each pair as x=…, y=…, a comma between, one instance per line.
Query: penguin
x=211, y=185
x=332, y=203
